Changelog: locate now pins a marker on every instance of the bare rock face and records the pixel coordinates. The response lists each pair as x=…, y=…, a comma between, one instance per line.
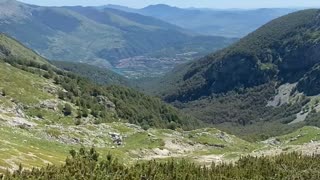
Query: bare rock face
x=16, y=109
x=283, y=95
x=106, y=102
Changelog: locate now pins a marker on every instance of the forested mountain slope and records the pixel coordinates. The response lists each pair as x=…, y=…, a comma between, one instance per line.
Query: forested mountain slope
x=282, y=50
x=263, y=78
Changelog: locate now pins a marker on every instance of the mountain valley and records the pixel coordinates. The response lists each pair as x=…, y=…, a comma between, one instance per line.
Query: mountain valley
x=101, y=37
x=108, y=93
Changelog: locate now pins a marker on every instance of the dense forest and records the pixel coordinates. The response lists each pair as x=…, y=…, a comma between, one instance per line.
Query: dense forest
x=88, y=165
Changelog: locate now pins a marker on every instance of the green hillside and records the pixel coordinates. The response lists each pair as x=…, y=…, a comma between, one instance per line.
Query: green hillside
x=10, y=48
x=237, y=85
x=104, y=103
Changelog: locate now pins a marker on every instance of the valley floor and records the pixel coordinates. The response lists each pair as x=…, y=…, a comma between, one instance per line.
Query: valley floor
x=37, y=145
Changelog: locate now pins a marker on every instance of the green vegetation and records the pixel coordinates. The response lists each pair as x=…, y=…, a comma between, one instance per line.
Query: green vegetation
x=67, y=110
x=23, y=146
x=18, y=79
x=104, y=103
x=13, y=48
x=87, y=165
x=246, y=114
x=306, y=134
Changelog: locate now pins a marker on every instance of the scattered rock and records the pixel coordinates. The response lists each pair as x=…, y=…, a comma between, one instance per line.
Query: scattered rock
x=116, y=138
x=50, y=104
x=161, y=152
x=21, y=122
x=223, y=137
x=24, y=126
x=76, y=140
x=106, y=102
x=50, y=89
x=272, y=142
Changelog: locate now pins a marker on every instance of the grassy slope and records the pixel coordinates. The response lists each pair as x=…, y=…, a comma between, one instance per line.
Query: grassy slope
x=11, y=47
x=24, y=87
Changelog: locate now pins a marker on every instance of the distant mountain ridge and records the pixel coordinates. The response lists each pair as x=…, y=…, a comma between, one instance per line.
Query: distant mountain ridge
x=218, y=22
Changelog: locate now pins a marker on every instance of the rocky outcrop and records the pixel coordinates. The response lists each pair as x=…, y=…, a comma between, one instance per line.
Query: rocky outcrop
x=19, y=122
x=116, y=138
x=51, y=89
x=283, y=95
x=106, y=102
x=50, y=104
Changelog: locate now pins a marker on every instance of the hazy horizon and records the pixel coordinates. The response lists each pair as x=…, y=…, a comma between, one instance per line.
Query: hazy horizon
x=214, y=4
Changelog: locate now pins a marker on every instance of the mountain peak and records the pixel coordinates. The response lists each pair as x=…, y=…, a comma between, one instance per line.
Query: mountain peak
x=160, y=6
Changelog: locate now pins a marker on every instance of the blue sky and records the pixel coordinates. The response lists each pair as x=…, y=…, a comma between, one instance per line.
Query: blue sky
x=184, y=3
